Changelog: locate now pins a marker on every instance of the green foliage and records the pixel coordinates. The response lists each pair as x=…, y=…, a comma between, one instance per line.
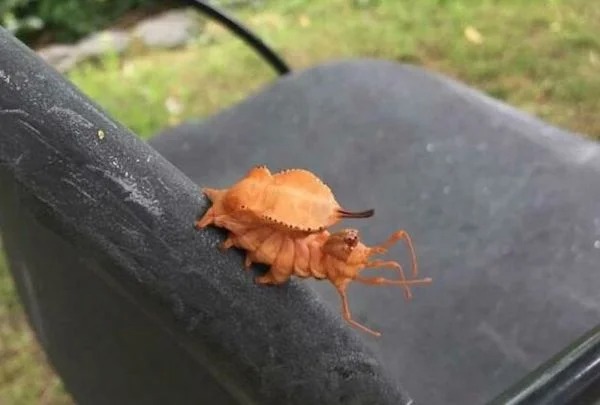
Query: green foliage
x=67, y=20
x=15, y=20
x=151, y=91
x=540, y=56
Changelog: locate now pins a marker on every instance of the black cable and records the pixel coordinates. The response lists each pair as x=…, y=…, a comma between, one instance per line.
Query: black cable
x=570, y=377
x=245, y=34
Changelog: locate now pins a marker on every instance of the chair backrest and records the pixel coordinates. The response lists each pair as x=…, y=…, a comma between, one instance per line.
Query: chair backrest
x=502, y=208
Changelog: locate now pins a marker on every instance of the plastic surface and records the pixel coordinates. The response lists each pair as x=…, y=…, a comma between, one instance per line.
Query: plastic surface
x=131, y=303
x=502, y=208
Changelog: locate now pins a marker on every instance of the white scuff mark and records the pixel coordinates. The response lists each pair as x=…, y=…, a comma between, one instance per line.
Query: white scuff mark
x=91, y=108
x=79, y=189
x=18, y=160
x=430, y=147
x=597, y=244
x=583, y=154
x=30, y=127
x=71, y=116
x=136, y=195
x=590, y=303
x=4, y=76
x=162, y=183
x=40, y=138
x=446, y=190
x=509, y=349
x=15, y=111
x=148, y=158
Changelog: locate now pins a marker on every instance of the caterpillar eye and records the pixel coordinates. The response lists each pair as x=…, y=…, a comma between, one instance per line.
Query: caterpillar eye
x=351, y=239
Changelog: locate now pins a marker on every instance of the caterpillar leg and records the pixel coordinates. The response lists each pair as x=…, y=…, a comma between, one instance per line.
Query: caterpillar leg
x=385, y=281
x=210, y=215
x=227, y=243
x=392, y=265
x=207, y=219
x=271, y=278
x=341, y=288
x=394, y=238
x=248, y=261
x=283, y=265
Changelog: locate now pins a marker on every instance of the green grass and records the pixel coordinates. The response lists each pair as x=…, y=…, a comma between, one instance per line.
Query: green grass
x=25, y=377
x=540, y=56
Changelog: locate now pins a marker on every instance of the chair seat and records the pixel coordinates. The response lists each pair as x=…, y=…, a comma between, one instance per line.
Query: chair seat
x=502, y=208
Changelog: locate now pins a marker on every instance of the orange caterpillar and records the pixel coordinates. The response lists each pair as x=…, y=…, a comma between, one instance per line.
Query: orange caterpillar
x=293, y=200
x=253, y=211
x=337, y=257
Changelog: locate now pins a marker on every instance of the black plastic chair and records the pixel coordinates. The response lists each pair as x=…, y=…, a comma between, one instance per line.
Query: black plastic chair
x=133, y=305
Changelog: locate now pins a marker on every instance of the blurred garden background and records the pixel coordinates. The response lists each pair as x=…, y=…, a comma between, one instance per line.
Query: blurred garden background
x=541, y=56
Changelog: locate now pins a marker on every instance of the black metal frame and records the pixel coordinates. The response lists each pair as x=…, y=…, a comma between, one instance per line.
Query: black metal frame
x=270, y=56
x=570, y=377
